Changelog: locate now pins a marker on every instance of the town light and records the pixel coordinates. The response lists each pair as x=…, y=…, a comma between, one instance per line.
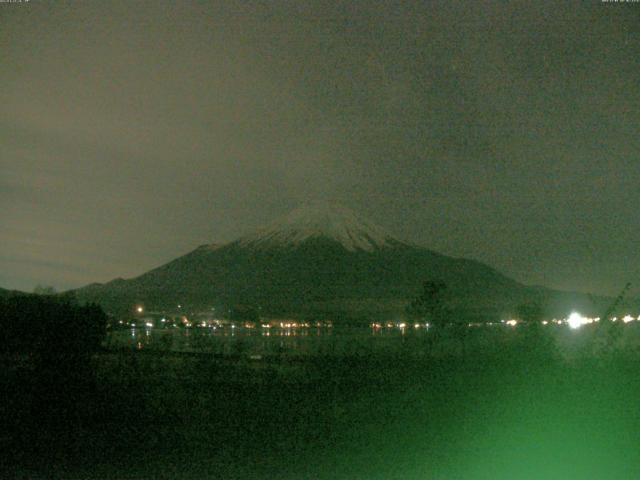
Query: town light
x=576, y=320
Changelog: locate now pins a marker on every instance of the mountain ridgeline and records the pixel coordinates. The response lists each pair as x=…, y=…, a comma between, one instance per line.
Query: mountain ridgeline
x=321, y=262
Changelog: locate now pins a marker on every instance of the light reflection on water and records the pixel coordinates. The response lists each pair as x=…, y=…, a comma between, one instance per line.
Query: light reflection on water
x=339, y=341
x=272, y=341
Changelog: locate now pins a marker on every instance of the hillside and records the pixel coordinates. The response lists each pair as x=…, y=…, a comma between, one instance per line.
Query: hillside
x=322, y=261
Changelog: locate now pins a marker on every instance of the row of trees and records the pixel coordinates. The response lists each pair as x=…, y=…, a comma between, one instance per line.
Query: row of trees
x=431, y=306
x=50, y=326
x=52, y=395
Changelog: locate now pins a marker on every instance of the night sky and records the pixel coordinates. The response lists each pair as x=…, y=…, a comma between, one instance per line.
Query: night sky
x=132, y=132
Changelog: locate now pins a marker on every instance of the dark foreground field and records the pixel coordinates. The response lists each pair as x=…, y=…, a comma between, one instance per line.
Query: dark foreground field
x=514, y=412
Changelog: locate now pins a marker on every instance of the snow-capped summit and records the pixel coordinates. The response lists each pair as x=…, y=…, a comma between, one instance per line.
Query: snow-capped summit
x=327, y=221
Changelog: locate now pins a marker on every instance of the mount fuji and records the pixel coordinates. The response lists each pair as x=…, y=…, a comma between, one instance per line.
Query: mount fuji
x=326, y=221
x=319, y=260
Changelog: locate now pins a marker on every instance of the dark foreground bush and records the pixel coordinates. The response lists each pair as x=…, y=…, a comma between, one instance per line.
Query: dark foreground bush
x=47, y=344
x=50, y=326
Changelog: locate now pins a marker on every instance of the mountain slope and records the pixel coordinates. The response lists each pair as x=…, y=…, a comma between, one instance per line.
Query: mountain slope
x=316, y=260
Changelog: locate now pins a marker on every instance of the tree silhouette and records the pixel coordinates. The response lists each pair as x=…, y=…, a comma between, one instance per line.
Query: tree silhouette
x=44, y=290
x=57, y=339
x=59, y=335
x=430, y=306
x=538, y=342
x=530, y=312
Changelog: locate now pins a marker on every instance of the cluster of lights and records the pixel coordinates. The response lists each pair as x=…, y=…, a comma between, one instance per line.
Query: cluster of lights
x=186, y=322
x=574, y=321
x=293, y=325
x=400, y=325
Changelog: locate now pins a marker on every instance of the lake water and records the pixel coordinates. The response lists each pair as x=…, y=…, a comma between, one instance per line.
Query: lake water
x=348, y=341
x=267, y=342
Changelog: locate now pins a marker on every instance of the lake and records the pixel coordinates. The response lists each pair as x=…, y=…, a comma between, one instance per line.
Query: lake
x=353, y=341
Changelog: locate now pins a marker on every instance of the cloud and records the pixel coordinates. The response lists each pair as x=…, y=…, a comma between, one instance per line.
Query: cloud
x=135, y=131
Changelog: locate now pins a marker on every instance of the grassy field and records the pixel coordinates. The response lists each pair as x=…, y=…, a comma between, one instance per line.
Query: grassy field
x=519, y=410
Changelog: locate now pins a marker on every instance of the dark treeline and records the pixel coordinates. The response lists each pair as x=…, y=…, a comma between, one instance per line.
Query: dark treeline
x=50, y=326
x=48, y=383
x=57, y=336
